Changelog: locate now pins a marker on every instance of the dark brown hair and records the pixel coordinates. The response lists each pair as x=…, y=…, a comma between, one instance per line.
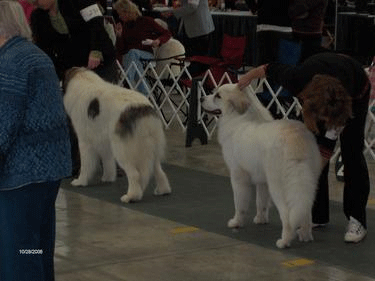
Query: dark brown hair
x=325, y=99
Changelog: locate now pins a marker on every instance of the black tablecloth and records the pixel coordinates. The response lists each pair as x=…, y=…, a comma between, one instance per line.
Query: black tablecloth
x=235, y=24
x=356, y=35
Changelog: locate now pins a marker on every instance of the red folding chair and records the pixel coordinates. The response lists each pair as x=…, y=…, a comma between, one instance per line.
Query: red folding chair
x=230, y=60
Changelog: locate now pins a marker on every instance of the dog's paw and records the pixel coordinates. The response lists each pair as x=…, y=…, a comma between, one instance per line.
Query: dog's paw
x=128, y=198
x=305, y=235
x=79, y=182
x=281, y=244
x=260, y=219
x=162, y=191
x=235, y=223
x=125, y=198
x=108, y=178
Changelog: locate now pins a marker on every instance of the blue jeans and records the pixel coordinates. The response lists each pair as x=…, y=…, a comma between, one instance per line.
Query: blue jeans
x=135, y=55
x=27, y=232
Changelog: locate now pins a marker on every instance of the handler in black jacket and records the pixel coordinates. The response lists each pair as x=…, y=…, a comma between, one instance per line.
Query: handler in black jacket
x=72, y=33
x=334, y=92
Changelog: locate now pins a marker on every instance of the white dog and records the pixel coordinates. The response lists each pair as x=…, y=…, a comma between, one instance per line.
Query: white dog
x=280, y=157
x=170, y=53
x=115, y=124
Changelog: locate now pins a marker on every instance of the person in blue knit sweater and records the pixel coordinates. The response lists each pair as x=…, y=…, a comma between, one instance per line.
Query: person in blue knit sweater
x=34, y=151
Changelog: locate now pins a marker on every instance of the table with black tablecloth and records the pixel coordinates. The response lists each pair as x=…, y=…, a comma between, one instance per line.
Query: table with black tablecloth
x=235, y=23
x=356, y=35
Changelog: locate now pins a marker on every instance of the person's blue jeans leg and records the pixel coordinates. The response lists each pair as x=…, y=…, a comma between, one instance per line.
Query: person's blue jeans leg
x=135, y=55
x=27, y=232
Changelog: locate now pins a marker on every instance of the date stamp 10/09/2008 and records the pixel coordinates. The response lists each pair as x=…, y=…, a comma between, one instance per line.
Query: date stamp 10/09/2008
x=30, y=251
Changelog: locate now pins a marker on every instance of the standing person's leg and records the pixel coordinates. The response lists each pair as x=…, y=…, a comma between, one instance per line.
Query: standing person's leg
x=356, y=177
x=21, y=221
x=197, y=46
x=320, y=210
x=48, y=230
x=266, y=48
x=135, y=56
x=310, y=46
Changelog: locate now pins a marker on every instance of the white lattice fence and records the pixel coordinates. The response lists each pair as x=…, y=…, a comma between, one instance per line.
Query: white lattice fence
x=288, y=109
x=170, y=97
x=164, y=89
x=209, y=123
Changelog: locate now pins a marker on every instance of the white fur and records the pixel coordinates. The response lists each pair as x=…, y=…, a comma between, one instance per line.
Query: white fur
x=280, y=157
x=162, y=23
x=139, y=155
x=171, y=48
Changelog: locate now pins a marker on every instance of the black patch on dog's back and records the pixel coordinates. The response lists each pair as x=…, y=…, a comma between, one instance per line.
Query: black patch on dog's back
x=128, y=119
x=93, y=109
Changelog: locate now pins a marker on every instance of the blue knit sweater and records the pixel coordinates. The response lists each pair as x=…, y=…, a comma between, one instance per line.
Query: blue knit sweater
x=34, y=138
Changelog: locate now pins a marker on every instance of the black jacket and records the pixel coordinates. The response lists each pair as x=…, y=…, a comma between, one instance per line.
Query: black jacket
x=73, y=49
x=346, y=69
x=273, y=12
x=307, y=17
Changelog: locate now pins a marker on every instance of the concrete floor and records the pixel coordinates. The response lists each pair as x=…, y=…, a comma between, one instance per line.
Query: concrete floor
x=97, y=240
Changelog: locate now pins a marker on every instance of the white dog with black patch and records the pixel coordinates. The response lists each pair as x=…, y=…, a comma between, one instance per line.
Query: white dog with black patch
x=280, y=157
x=114, y=124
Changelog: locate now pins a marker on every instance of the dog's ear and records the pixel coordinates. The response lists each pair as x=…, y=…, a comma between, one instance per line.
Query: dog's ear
x=239, y=101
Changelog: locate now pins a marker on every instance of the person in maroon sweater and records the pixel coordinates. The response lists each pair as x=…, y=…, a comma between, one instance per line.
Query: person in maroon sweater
x=137, y=35
x=334, y=92
x=307, y=18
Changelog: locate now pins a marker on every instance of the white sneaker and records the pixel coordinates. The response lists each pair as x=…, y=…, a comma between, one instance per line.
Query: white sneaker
x=356, y=232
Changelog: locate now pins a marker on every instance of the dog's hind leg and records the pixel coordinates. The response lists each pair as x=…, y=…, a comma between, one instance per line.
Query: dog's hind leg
x=162, y=182
x=288, y=231
x=300, y=213
x=242, y=194
x=302, y=182
x=135, y=191
x=263, y=202
x=89, y=161
x=305, y=231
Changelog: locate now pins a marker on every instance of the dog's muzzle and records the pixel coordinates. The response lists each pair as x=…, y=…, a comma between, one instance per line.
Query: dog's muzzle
x=213, y=112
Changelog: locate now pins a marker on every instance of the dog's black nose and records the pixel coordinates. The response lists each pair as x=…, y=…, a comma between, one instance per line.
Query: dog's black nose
x=202, y=99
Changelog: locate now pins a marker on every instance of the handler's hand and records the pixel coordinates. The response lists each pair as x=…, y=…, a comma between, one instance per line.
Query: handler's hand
x=155, y=43
x=118, y=29
x=93, y=62
x=245, y=80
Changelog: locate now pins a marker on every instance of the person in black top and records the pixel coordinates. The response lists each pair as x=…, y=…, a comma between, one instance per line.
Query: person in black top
x=307, y=18
x=273, y=25
x=72, y=33
x=334, y=92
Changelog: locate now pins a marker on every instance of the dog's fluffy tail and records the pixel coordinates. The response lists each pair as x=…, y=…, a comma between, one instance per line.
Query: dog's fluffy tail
x=140, y=141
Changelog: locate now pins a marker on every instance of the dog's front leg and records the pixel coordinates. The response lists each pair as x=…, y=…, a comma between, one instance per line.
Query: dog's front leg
x=89, y=160
x=242, y=194
x=263, y=202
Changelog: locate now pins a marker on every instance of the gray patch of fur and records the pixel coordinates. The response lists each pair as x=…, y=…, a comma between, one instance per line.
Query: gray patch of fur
x=128, y=119
x=94, y=109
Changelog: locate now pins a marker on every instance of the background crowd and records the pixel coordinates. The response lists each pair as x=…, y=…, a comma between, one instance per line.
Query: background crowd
x=41, y=39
